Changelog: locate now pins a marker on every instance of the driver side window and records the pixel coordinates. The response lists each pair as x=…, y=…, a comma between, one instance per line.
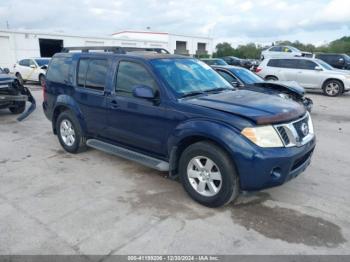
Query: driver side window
x=227, y=77
x=130, y=75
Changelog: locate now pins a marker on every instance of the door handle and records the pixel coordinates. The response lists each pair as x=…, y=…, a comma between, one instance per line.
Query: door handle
x=113, y=104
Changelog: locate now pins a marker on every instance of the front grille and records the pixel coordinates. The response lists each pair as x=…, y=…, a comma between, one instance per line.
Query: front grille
x=283, y=134
x=302, y=127
x=296, y=133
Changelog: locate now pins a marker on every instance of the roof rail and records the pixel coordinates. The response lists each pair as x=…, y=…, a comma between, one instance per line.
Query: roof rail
x=114, y=49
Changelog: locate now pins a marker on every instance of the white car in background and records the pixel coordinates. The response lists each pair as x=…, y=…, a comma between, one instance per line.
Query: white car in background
x=280, y=51
x=31, y=69
x=308, y=72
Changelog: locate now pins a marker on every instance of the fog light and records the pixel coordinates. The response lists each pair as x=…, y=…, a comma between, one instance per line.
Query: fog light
x=276, y=173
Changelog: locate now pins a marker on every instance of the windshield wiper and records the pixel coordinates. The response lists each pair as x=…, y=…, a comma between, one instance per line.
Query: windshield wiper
x=193, y=93
x=219, y=89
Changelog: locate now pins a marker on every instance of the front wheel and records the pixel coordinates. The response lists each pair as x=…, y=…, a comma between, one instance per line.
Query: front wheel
x=333, y=88
x=208, y=174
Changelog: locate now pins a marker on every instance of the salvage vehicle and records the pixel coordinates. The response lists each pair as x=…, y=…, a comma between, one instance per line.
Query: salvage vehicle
x=33, y=69
x=178, y=115
x=313, y=74
x=242, y=78
x=339, y=61
x=235, y=61
x=13, y=95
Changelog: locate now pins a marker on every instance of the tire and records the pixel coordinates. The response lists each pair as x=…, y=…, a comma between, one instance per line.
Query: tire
x=69, y=132
x=18, y=108
x=271, y=78
x=194, y=174
x=42, y=80
x=20, y=79
x=333, y=88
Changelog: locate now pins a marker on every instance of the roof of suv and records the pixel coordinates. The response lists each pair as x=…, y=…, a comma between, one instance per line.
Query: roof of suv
x=142, y=55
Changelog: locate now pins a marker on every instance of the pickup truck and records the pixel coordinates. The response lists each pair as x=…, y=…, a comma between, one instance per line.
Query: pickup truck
x=177, y=115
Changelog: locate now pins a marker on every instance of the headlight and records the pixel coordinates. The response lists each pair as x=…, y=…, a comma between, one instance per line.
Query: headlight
x=264, y=136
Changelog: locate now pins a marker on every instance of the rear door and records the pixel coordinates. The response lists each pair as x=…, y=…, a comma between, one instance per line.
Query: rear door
x=90, y=92
x=284, y=69
x=132, y=121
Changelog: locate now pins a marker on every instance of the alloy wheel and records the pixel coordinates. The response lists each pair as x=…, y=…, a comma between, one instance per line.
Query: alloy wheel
x=204, y=176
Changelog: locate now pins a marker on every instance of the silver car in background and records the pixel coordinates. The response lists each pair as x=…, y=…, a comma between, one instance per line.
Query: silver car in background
x=309, y=73
x=280, y=51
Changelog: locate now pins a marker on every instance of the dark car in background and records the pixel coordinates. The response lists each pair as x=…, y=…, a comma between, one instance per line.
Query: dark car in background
x=339, y=61
x=214, y=61
x=244, y=79
x=235, y=61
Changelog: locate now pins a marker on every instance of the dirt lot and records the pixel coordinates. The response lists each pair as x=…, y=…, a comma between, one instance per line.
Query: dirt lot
x=52, y=202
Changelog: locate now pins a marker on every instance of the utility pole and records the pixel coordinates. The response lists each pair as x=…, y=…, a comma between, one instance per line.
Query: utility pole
x=7, y=24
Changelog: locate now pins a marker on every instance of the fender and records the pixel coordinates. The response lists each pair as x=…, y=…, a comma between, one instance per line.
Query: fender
x=69, y=103
x=228, y=137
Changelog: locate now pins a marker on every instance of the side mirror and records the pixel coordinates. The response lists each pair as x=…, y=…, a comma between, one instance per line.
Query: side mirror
x=341, y=60
x=318, y=68
x=32, y=66
x=44, y=67
x=143, y=91
x=6, y=70
x=235, y=84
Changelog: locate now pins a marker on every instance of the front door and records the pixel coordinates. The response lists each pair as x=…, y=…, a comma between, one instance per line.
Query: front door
x=136, y=122
x=308, y=76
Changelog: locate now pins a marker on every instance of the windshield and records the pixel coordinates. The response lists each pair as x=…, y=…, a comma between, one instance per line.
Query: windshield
x=42, y=62
x=246, y=76
x=324, y=65
x=185, y=76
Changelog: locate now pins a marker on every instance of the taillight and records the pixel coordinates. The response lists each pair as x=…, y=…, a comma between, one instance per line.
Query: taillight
x=258, y=69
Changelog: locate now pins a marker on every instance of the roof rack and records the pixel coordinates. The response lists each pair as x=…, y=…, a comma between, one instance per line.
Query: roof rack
x=114, y=49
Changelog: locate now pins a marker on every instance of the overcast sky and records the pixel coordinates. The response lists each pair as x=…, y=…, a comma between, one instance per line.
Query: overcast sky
x=235, y=21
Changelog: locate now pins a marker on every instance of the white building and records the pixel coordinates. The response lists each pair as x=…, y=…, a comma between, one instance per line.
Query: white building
x=16, y=45
x=174, y=43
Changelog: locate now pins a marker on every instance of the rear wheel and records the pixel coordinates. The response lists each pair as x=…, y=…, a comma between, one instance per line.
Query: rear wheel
x=333, y=88
x=208, y=174
x=18, y=108
x=69, y=132
x=20, y=79
x=42, y=80
x=271, y=78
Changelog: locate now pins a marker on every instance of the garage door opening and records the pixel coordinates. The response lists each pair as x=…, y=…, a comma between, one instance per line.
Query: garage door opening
x=49, y=47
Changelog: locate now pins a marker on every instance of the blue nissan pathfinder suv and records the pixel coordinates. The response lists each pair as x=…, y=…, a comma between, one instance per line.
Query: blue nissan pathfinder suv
x=177, y=114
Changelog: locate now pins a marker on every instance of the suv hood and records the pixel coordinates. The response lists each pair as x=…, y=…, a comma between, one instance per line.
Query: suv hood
x=261, y=108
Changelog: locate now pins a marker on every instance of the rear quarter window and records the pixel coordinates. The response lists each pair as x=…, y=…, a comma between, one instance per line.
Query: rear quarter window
x=59, y=70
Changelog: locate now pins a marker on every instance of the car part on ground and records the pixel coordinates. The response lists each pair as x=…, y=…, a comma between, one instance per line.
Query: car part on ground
x=245, y=79
x=313, y=74
x=199, y=128
x=13, y=95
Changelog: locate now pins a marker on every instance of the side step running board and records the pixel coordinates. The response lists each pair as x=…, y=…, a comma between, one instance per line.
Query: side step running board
x=128, y=154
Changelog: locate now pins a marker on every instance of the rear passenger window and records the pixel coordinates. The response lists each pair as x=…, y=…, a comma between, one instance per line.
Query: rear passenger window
x=283, y=63
x=82, y=70
x=131, y=74
x=92, y=73
x=59, y=70
x=24, y=62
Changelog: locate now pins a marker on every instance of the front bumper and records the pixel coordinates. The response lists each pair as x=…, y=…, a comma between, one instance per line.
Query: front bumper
x=264, y=168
